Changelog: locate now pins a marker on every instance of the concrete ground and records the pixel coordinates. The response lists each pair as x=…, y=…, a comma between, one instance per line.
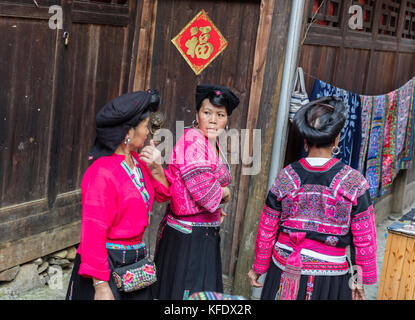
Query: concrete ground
x=47, y=293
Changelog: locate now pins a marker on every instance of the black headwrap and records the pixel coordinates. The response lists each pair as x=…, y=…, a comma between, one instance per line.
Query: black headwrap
x=324, y=130
x=118, y=116
x=204, y=91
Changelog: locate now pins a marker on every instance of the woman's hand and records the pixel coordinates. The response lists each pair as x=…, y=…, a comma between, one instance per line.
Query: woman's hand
x=253, y=278
x=226, y=195
x=152, y=157
x=103, y=292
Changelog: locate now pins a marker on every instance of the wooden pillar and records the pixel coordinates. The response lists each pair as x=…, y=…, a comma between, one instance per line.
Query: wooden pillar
x=267, y=114
x=399, y=186
x=143, y=46
x=261, y=46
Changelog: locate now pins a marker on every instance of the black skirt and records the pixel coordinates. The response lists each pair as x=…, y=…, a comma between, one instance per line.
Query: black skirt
x=311, y=287
x=187, y=262
x=81, y=288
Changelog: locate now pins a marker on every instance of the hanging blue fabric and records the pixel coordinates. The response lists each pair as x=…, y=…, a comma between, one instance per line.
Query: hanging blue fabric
x=351, y=135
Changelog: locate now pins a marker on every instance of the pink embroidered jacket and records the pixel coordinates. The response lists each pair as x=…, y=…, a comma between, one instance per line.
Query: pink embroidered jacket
x=113, y=210
x=331, y=206
x=197, y=176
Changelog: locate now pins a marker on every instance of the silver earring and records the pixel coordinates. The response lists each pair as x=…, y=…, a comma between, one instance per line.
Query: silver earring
x=127, y=141
x=195, y=124
x=336, y=150
x=227, y=128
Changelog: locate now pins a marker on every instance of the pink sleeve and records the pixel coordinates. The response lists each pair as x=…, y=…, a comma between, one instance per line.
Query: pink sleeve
x=162, y=192
x=363, y=230
x=98, y=208
x=267, y=233
x=202, y=185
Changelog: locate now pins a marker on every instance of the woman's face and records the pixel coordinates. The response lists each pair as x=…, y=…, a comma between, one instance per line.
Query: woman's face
x=212, y=119
x=138, y=135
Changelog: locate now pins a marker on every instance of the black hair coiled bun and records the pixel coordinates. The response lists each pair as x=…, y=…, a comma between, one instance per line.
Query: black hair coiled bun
x=321, y=120
x=154, y=100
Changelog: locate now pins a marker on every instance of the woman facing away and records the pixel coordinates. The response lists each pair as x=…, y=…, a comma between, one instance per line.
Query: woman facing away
x=315, y=209
x=188, y=256
x=118, y=191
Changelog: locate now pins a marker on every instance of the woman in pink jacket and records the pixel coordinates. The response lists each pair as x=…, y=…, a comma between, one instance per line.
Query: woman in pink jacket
x=188, y=254
x=118, y=191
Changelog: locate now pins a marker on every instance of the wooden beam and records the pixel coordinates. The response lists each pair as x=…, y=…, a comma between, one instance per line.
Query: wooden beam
x=257, y=188
x=144, y=51
x=261, y=46
x=27, y=249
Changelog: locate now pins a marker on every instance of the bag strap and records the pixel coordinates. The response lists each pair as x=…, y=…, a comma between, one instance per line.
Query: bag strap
x=299, y=83
x=148, y=213
x=295, y=80
x=149, y=227
x=302, y=82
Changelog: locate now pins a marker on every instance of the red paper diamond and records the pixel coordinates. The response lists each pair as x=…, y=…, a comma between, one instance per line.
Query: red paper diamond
x=200, y=42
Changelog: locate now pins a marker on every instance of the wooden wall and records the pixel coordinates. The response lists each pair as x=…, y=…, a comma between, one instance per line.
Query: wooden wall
x=49, y=94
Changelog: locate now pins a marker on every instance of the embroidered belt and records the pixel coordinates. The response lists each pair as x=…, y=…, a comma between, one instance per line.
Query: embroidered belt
x=293, y=267
x=314, y=254
x=117, y=246
x=186, y=226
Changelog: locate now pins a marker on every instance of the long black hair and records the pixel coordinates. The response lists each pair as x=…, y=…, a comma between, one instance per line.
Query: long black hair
x=320, y=121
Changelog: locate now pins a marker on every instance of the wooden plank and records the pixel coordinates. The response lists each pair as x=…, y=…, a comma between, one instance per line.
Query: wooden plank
x=102, y=7
x=386, y=258
x=29, y=248
x=129, y=59
x=394, y=272
x=100, y=18
x=24, y=112
x=407, y=286
x=262, y=42
x=24, y=11
x=22, y=210
x=266, y=119
x=54, y=124
x=143, y=53
x=39, y=222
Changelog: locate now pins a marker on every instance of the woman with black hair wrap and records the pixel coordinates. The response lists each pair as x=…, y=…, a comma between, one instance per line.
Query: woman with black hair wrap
x=188, y=255
x=316, y=208
x=118, y=191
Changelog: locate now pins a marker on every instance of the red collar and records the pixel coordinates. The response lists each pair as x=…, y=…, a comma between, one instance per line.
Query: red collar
x=324, y=167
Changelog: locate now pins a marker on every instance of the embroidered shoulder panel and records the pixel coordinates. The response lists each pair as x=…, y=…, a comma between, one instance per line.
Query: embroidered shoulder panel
x=286, y=182
x=350, y=184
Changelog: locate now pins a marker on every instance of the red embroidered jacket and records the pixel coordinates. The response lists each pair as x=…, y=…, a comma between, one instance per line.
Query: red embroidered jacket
x=331, y=204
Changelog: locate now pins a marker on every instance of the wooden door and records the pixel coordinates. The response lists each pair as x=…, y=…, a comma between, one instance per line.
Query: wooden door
x=49, y=95
x=233, y=68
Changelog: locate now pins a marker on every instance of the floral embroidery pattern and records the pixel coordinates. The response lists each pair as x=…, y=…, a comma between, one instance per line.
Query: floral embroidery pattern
x=128, y=277
x=149, y=269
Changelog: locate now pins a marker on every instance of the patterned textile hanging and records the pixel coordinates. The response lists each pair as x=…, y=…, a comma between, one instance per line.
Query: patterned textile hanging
x=374, y=152
x=408, y=101
x=390, y=137
x=351, y=135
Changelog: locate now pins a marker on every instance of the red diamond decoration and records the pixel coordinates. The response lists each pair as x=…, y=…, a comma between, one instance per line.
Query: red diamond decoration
x=200, y=42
